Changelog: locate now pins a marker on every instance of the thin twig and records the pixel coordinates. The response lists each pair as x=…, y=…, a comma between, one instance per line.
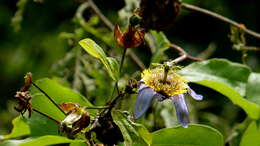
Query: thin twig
x=250, y=48
x=220, y=17
x=208, y=51
x=57, y=121
x=49, y=98
x=122, y=61
x=100, y=15
x=183, y=53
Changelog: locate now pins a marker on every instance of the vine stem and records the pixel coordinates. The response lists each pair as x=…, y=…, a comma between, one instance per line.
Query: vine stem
x=112, y=104
x=41, y=113
x=122, y=61
x=49, y=97
x=183, y=53
x=97, y=107
x=220, y=17
x=120, y=70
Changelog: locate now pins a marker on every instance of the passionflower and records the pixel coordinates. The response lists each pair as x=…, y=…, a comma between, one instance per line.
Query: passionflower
x=155, y=83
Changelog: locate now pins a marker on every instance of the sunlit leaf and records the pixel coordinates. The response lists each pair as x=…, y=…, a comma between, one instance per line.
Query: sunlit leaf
x=41, y=125
x=92, y=48
x=227, y=78
x=194, y=135
x=96, y=51
x=252, y=89
x=251, y=136
x=20, y=128
x=59, y=94
x=39, y=102
x=49, y=140
x=114, y=66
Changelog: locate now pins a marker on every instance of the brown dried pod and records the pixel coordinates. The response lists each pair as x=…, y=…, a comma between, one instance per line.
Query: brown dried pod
x=24, y=103
x=27, y=82
x=24, y=96
x=69, y=107
x=131, y=38
x=76, y=120
x=158, y=14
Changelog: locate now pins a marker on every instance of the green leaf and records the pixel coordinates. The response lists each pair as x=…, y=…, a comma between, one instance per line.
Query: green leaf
x=92, y=48
x=134, y=134
x=59, y=94
x=252, y=89
x=227, y=78
x=194, y=135
x=251, y=136
x=234, y=75
x=49, y=140
x=37, y=125
x=95, y=50
x=41, y=125
x=39, y=102
x=20, y=128
x=113, y=67
x=12, y=142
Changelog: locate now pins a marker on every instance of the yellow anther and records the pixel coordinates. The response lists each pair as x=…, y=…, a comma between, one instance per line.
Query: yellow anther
x=173, y=85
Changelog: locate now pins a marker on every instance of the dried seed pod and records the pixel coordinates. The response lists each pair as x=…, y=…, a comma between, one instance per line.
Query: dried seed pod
x=27, y=82
x=69, y=107
x=158, y=14
x=24, y=96
x=24, y=103
x=131, y=38
x=76, y=120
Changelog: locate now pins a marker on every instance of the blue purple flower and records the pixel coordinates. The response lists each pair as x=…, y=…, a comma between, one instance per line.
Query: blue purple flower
x=154, y=85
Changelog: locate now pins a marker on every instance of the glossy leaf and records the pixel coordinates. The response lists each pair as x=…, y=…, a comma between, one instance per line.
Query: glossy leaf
x=39, y=102
x=37, y=125
x=59, y=94
x=252, y=89
x=20, y=128
x=96, y=51
x=113, y=67
x=251, y=137
x=92, y=48
x=41, y=125
x=49, y=140
x=195, y=135
x=232, y=74
x=134, y=134
x=227, y=78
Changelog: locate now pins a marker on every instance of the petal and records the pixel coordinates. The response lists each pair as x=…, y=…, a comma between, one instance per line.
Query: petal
x=181, y=110
x=159, y=97
x=194, y=95
x=143, y=101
